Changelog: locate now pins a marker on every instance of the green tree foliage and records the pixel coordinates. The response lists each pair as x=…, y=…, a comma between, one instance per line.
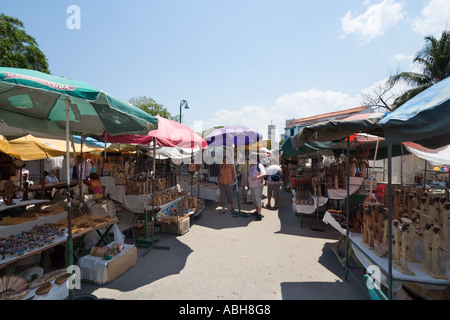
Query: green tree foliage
x=17, y=48
x=153, y=108
x=434, y=62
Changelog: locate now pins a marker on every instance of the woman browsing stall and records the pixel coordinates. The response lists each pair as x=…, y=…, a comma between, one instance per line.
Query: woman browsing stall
x=227, y=177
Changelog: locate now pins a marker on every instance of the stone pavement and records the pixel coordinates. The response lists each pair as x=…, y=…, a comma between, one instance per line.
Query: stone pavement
x=223, y=257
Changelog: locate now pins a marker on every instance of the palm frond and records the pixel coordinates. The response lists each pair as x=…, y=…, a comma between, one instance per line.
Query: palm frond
x=409, y=94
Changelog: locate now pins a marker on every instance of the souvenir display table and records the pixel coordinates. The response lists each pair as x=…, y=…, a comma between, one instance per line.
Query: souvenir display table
x=206, y=190
x=369, y=256
x=329, y=219
x=57, y=292
x=305, y=208
x=339, y=194
x=57, y=238
x=21, y=204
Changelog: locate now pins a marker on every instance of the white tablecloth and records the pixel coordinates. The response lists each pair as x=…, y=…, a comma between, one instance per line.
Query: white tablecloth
x=57, y=292
x=328, y=218
x=308, y=209
x=95, y=268
x=339, y=194
x=116, y=192
x=362, y=252
x=209, y=194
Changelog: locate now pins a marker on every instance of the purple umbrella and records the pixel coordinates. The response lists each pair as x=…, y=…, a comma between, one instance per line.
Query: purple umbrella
x=233, y=136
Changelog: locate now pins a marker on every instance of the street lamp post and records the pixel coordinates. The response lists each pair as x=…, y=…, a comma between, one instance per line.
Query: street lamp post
x=184, y=104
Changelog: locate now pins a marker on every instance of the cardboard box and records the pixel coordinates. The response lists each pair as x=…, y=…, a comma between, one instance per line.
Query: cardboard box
x=139, y=230
x=102, y=271
x=180, y=227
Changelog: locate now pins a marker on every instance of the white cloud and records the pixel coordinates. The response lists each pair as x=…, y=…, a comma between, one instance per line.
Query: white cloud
x=375, y=21
x=434, y=18
x=402, y=57
x=294, y=106
x=288, y=106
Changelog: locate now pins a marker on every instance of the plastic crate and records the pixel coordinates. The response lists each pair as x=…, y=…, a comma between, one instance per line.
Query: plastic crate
x=180, y=227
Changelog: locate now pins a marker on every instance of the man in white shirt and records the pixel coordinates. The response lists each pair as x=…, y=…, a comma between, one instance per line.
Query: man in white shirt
x=256, y=174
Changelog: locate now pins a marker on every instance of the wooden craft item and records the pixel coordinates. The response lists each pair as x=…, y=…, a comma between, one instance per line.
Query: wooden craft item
x=445, y=214
x=3, y=248
x=12, y=287
x=403, y=265
x=44, y=289
x=50, y=276
x=62, y=279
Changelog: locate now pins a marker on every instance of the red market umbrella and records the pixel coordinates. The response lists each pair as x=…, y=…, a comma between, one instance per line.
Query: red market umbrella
x=168, y=134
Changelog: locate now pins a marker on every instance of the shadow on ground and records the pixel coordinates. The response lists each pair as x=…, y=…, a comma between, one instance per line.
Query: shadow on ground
x=155, y=265
x=312, y=226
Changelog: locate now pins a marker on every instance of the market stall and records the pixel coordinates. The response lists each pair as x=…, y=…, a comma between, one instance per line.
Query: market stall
x=401, y=221
x=168, y=134
x=71, y=106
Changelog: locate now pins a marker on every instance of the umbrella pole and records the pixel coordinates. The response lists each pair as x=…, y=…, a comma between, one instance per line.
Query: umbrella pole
x=151, y=243
x=347, y=210
x=389, y=277
x=316, y=198
x=69, y=219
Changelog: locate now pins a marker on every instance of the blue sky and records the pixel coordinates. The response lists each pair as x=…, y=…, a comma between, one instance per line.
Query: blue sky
x=245, y=62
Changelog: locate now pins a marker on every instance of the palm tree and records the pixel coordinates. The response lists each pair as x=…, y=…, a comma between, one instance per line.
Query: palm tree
x=433, y=60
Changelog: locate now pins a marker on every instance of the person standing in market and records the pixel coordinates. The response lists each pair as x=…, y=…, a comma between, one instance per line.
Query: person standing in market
x=243, y=171
x=256, y=174
x=227, y=177
x=273, y=184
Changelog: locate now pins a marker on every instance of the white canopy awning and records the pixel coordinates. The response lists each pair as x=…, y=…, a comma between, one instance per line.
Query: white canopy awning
x=437, y=157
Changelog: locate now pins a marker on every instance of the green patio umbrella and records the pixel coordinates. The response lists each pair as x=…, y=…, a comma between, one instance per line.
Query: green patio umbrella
x=55, y=106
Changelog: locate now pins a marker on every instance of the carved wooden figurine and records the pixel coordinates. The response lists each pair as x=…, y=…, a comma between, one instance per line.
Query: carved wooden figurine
x=427, y=238
x=397, y=260
x=3, y=249
x=446, y=225
x=403, y=267
x=396, y=204
x=421, y=213
x=436, y=255
x=434, y=213
x=382, y=249
x=412, y=233
x=410, y=205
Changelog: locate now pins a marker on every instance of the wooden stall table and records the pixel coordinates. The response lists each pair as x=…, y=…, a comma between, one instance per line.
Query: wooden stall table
x=300, y=209
x=17, y=203
x=329, y=219
x=41, y=188
x=10, y=261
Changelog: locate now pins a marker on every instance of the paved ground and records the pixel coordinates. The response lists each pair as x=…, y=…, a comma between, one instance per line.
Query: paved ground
x=227, y=258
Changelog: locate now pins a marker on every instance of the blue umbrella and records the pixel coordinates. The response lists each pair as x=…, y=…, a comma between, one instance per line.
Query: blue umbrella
x=90, y=142
x=425, y=119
